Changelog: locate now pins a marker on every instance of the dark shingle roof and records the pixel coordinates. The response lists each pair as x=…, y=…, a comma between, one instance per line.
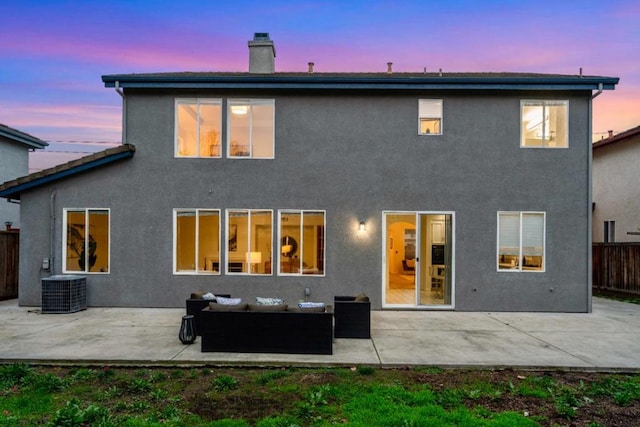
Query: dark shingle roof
x=21, y=137
x=627, y=135
x=12, y=189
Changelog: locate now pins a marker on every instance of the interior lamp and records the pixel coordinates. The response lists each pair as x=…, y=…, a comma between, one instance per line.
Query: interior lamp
x=254, y=258
x=286, y=250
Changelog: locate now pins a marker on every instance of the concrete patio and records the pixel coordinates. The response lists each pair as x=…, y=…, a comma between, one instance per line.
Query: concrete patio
x=607, y=339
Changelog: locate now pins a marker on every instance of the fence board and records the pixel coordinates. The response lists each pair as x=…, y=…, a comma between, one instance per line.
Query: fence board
x=9, y=249
x=616, y=267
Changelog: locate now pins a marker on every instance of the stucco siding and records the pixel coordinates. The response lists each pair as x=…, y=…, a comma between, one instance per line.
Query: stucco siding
x=615, y=190
x=14, y=162
x=354, y=156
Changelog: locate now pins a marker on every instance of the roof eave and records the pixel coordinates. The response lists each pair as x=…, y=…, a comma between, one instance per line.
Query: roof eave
x=632, y=134
x=133, y=81
x=23, y=138
x=16, y=187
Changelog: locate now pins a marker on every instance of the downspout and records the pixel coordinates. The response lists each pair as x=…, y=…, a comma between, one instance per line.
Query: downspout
x=124, y=105
x=52, y=231
x=590, y=204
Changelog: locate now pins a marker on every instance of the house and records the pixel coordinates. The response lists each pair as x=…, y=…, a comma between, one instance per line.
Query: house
x=14, y=162
x=453, y=191
x=616, y=187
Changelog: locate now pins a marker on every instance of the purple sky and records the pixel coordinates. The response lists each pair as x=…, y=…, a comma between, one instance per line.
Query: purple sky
x=54, y=52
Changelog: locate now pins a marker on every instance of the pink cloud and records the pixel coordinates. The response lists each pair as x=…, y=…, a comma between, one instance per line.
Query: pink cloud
x=78, y=122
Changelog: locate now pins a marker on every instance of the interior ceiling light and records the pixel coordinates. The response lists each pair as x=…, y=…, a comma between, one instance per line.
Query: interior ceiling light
x=239, y=109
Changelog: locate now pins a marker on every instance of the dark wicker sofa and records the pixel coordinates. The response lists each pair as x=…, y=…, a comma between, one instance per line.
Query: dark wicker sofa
x=247, y=331
x=195, y=305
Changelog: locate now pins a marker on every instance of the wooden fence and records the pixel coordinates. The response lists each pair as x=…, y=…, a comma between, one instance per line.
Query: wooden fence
x=9, y=249
x=616, y=268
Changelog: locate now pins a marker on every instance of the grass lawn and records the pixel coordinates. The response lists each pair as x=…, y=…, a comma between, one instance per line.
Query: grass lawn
x=358, y=396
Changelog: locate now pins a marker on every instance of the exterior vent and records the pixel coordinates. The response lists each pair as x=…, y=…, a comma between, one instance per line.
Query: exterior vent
x=64, y=294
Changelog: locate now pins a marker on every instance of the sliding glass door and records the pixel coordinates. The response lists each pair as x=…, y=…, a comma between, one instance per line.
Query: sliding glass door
x=418, y=259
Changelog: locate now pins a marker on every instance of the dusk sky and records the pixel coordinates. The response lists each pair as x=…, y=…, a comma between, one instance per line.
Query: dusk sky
x=55, y=52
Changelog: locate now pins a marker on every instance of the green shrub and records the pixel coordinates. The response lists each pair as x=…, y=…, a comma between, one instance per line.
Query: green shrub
x=47, y=383
x=13, y=374
x=71, y=415
x=366, y=370
x=225, y=383
x=268, y=376
x=139, y=385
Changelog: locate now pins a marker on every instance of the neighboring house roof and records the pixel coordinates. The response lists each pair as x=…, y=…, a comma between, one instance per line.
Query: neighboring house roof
x=21, y=137
x=12, y=189
x=350, y=81
x=628, y=135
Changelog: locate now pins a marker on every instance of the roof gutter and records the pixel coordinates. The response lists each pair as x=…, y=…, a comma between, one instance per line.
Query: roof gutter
x=318, y=82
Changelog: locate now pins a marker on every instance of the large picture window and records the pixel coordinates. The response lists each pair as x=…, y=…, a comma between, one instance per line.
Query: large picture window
x=521, y=241
x=249, y=241
x=86, y=241
x=430, y=116
x=544, y=124
x=198, y=127
x=251, y=128
x=196, y=241
x=301, y=242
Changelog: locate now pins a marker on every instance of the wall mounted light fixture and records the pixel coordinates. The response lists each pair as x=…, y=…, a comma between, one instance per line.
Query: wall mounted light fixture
x=362, y=226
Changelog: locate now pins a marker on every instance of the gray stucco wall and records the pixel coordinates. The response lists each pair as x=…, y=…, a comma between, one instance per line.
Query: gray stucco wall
x=616, y=190
x=14, y=162
x=354, y=156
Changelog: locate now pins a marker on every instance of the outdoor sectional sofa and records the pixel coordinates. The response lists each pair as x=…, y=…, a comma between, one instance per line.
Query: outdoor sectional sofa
x=353, y=316
x=249, y=328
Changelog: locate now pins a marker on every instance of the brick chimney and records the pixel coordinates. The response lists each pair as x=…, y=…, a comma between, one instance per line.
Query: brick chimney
x=262, y=54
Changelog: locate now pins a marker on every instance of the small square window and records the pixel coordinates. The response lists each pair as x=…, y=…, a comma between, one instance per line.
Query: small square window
x=430, y=117
x=545, y=124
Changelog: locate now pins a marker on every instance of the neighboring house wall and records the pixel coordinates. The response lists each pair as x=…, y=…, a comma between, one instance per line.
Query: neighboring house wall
x=353, y=156
x=14, y=162
x=616, y=186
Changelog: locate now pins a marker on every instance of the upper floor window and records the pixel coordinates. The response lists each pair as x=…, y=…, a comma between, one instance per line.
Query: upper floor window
x=198, y=127
x=430, y=116
x=251, y=128
x=544, y=124
x=301, y=245
x=86, y=241
x=521, y=241
x=196, y=241
x=249, y=241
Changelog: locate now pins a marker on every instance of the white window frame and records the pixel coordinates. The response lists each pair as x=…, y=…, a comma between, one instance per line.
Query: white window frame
x=250, y=102
x=520, y=266
x=64, y=240
x=439, y=105
x=250, y=212
x=301, y=212
x=198, y=102
x=195, y=271
x=544, y=103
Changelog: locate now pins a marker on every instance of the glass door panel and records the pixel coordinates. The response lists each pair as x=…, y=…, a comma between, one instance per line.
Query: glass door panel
x=400, y=259
x=435, y=259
